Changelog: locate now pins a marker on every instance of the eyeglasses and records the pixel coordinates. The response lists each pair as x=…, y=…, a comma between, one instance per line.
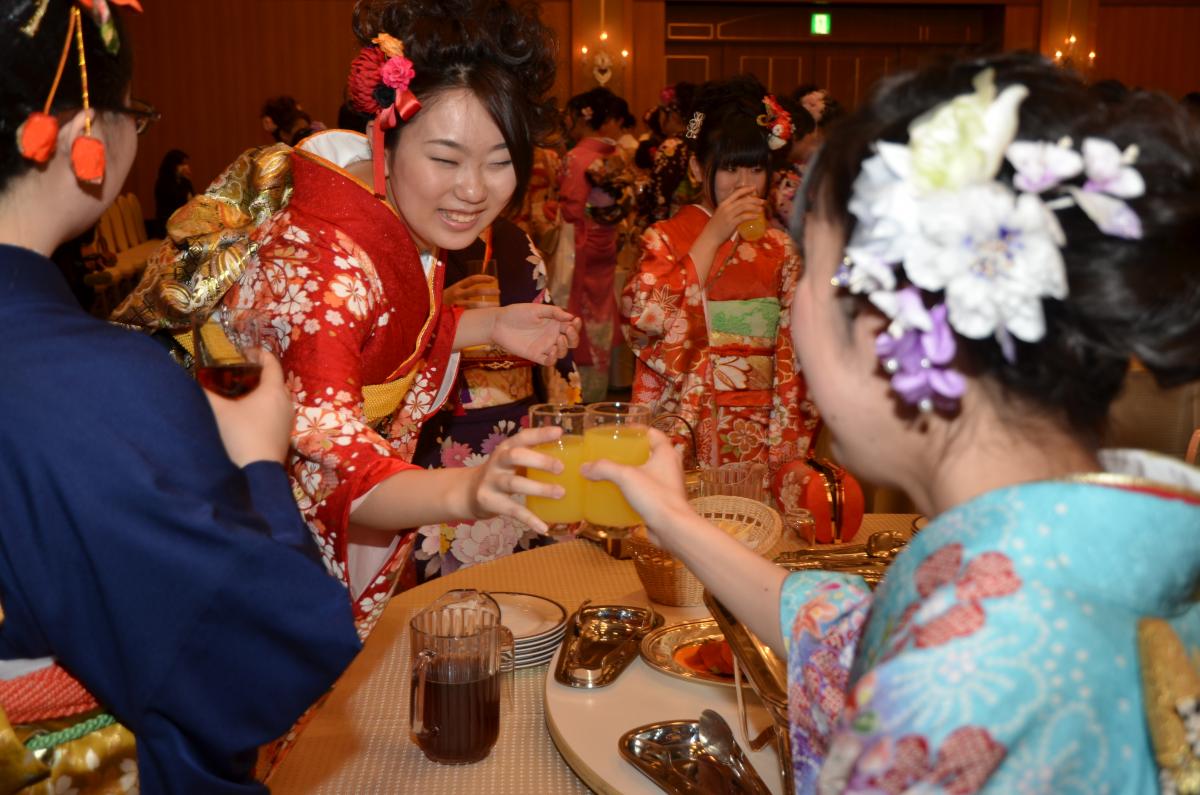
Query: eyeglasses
x=144, y=114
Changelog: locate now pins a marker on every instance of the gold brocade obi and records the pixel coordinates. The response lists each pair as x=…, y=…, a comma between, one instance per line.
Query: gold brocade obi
x=210, y=242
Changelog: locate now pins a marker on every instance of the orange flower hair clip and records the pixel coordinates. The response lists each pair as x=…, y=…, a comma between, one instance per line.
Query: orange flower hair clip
x=37, y=137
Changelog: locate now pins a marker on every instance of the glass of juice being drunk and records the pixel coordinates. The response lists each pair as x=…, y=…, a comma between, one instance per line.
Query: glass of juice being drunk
x=614, y=432
x=562, y=515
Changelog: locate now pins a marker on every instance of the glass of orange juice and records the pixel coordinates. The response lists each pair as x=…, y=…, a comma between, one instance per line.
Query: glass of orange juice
x=753, y=229
x=562, y=515
x=615, y=432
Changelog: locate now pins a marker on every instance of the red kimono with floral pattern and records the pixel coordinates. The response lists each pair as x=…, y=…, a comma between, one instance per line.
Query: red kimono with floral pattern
x=720, y=354
x=351, y=303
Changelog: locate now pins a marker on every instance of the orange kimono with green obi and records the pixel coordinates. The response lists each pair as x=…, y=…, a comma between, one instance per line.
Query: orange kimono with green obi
x=719, y=354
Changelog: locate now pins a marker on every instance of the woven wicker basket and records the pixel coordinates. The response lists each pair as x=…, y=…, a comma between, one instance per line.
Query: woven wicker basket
x=668, y=582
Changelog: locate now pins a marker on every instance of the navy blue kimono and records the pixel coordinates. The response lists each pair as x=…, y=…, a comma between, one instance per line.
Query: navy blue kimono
x=184, y=592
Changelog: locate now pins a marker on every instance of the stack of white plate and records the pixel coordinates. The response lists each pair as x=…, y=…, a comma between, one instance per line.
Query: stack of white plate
x=537, y=625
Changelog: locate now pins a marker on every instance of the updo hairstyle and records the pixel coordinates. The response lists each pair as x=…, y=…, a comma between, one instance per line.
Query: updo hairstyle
x=498, y=50
x=730, y=136
x=601, y=105
x=1127, y=298
x=27, y=67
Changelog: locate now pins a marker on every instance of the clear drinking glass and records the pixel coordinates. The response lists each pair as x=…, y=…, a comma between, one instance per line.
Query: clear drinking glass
x=800, y=523
x=482, y=267
x=615, y=432
x=226, y=347
x=460, y=650
x=563, y=515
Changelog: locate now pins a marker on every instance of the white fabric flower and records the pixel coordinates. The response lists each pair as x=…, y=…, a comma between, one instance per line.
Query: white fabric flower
x=962, y=142
x=995, y=254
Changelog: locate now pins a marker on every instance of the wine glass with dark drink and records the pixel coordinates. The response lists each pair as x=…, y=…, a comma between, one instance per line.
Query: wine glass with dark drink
x=227, y=346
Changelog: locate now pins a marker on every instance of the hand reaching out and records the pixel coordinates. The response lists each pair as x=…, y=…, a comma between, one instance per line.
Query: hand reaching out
x=538, y=332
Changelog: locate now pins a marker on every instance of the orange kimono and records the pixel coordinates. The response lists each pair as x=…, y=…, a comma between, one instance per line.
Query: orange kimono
x=720, y=354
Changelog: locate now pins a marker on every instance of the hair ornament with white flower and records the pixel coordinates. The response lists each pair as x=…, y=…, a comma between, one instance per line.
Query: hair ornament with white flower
x=778, y=123
x=379, y=86
x=694, y=126
x=990, y=250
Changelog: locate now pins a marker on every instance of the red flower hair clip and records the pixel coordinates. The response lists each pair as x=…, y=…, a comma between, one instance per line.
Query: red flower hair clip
x=778, y=123
x=379, y=86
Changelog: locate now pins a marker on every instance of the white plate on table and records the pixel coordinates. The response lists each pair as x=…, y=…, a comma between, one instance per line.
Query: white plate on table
x=530, y=618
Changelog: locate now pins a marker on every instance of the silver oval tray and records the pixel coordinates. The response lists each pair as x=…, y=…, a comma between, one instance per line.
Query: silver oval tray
x=672, y=755
x=659, y=647
x=600, y=642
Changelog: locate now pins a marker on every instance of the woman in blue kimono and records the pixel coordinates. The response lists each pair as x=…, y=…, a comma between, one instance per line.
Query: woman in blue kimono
x=163, y=612
x=987, y=249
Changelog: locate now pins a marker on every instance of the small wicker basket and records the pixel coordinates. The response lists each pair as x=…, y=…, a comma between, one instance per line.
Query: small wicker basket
x=667, y=581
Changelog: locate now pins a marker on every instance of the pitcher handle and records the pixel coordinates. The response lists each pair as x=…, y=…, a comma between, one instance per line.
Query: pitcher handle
x=508, y=665
x=416, y=713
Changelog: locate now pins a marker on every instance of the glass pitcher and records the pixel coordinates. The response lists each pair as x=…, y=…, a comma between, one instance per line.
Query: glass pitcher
x=460, y=651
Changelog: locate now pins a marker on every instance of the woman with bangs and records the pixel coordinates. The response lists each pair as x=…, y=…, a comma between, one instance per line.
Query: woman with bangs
x=707, y=311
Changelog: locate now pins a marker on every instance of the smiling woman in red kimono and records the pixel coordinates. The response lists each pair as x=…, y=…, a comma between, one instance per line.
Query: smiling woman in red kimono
x=707, y=313
x=341, y=243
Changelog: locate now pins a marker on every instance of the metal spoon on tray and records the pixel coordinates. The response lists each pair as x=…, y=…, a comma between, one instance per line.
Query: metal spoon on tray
x=717, y=739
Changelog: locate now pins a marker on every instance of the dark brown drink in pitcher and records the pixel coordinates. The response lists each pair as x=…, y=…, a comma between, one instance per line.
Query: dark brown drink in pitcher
x=461, y=719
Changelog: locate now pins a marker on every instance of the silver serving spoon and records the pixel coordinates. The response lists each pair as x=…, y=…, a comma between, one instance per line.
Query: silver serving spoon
x=717, y=739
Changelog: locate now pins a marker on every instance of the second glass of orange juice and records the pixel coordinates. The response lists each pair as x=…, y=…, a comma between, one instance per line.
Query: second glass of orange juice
x=615, y=432
x=562, y=514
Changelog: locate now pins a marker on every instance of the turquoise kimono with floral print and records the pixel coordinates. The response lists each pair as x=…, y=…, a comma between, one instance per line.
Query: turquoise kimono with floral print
x=1000, y=653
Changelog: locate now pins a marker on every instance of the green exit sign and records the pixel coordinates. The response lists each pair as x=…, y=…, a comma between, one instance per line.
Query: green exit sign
x=822, y=24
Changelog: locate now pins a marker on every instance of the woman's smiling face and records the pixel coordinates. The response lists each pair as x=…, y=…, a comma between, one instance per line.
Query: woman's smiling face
x=451, y=173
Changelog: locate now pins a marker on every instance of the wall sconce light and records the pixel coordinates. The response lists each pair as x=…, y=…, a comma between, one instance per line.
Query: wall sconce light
x=1065, y=57
x=597, y=60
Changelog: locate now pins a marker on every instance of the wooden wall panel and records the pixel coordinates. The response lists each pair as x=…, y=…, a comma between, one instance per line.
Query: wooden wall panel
x=1022, y=27
x=557, y=15
x=649, y=58
x=209, y=66
x=1151, y=46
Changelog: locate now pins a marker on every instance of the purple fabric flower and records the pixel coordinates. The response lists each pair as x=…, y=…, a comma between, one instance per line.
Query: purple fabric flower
x=919, y=363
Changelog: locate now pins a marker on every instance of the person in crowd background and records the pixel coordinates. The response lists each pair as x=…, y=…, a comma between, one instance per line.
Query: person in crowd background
x=706, y=312
x=669, y=187
x=173, y=188
x=595, y=195
x=787, y=178
x=286, y=121
x=164, y=608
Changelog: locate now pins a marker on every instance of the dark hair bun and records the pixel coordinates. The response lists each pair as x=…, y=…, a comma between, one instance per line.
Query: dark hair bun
x=498, y=50
x=1127, y=298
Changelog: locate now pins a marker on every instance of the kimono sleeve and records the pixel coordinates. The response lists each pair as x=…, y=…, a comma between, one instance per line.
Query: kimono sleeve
x=325, y=300
x=822, y=615
x=794, y=418
x=663, y=311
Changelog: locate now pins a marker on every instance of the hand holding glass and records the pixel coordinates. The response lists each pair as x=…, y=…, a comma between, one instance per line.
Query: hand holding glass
x=226, y=346
x=616, y=432
x=561, y=514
